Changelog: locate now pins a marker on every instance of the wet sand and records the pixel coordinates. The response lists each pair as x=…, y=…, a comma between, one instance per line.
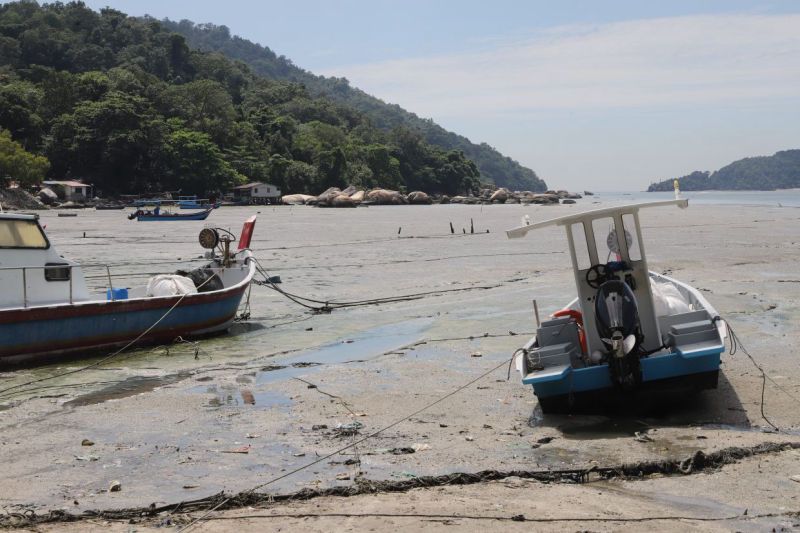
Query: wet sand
x=163, y=420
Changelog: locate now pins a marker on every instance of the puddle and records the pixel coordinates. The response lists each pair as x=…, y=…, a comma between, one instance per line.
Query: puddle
x=128, y=387
x=232, y=397
x=366, y=345
x=588, y=428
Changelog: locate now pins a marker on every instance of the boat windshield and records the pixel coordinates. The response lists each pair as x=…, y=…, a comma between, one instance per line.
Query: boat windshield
x=22, y=234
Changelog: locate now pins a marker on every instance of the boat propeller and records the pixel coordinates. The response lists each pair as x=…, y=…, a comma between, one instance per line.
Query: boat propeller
x=618, y=325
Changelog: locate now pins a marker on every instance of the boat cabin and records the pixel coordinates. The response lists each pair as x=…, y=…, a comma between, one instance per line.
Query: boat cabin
x=606, y=244
x=32, y=273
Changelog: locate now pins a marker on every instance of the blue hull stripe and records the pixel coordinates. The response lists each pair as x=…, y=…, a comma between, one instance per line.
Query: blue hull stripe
x=654, y=368
x=84, y=332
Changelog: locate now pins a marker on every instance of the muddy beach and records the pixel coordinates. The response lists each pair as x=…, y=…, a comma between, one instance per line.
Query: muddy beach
x=288, y=387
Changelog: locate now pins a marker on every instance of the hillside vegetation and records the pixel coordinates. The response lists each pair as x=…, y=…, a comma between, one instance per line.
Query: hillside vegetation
x=125, y=104
x=765, y=173
x=494, y=166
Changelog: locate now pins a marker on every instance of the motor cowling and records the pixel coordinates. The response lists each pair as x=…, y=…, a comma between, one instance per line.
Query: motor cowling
x=619, y=328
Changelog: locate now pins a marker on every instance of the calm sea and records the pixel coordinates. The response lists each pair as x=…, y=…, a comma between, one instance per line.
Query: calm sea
x=785, y=198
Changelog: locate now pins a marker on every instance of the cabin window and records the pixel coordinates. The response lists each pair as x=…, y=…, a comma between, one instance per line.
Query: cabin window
x=605, y=239
x=57, y=272
x=631, y=235
x=581, y=248
x=22, y=234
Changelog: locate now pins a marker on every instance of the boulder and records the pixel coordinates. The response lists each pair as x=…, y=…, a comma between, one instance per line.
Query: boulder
x=358, y=196
x=342, y=200
x=500, y=196
x=349, y=191
x=444, y=199
x=47, y=196
x=544, y=198
x=385, y=197
x=419, y=197
x=568, y=201
x=328, y=195
x=296, y=199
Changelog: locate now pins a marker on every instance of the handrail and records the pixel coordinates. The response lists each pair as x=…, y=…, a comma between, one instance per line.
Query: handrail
x=107, y=274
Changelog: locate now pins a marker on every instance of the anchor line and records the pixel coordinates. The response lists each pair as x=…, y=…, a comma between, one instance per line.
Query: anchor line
x=12, y=391
x=325, y=307
x=736, y=345
x=347, y=447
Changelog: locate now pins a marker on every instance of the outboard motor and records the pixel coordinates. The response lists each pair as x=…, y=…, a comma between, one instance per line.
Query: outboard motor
x=617, y=317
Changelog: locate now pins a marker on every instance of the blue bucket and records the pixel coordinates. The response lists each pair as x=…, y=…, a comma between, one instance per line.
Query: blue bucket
x=119, y=294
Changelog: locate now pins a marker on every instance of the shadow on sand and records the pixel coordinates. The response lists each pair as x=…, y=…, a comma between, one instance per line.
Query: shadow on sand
x=718, y=407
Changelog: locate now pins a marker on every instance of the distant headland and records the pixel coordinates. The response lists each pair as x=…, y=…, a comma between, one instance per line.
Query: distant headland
x=764, y=173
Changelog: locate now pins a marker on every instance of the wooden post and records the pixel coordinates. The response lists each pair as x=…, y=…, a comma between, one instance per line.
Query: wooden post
x=451, y=228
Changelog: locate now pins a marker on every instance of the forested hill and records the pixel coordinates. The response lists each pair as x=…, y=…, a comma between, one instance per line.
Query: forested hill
x=765, y=173
x=125, y=104
x=493, y=165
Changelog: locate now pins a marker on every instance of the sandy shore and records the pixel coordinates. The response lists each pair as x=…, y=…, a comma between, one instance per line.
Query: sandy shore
x=163, y=423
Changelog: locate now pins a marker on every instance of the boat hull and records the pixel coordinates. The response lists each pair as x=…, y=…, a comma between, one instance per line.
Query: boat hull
x=38, y=334
x=177, y=216
x=664, y=378
x=667, y=392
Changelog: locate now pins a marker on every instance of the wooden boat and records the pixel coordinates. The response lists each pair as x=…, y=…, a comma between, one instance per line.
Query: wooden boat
x=47, y=312
x=629, y=333
x=143, y=215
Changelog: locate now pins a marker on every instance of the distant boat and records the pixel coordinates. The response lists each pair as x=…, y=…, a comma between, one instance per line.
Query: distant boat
x=102, y=207
x=146, y=216
x=68, y=214
x=193, y=202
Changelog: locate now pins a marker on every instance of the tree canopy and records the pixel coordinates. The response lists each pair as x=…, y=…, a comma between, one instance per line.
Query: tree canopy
x=125, y=104
x=18, y=164
x=493, y=166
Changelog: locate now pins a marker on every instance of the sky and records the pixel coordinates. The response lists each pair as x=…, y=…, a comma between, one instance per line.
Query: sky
x=601, y=95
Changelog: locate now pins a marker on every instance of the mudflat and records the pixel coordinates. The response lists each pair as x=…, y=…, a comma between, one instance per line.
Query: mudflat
x=288, y=387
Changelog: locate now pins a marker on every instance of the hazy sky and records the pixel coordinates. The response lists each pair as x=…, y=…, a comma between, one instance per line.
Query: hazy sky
x=604, y=95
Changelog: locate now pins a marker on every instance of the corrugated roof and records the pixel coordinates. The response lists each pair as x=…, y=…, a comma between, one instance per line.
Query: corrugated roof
x=69, y=183
x=254, y=184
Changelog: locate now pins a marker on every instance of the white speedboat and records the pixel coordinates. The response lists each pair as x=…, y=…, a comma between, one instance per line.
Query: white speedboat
x=629, y=331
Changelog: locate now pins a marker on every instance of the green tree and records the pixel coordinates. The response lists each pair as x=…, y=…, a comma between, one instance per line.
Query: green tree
x=16, y=163
x=195, y=164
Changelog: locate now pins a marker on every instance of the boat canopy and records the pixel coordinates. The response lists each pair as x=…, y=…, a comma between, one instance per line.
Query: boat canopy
x=596, y=244
x=521, y=231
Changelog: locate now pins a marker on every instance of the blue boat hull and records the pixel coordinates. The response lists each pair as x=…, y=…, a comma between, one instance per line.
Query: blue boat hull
x=36, y=334
x=590, y=388
x=202, y=215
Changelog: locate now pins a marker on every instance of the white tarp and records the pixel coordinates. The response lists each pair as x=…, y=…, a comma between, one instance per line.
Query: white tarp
x=667, y=299
x=170, y=285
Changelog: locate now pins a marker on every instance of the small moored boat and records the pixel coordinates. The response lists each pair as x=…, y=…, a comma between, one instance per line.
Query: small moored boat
x=193, y=202
x=630, y=332
x=46, y=310
x=146, y=215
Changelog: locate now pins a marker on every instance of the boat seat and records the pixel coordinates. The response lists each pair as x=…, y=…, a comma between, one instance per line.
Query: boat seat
x=692, y=334
x=551, y=373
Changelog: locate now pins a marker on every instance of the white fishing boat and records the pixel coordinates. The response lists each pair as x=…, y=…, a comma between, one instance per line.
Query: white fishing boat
x=47, y=311
x=629, y=332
